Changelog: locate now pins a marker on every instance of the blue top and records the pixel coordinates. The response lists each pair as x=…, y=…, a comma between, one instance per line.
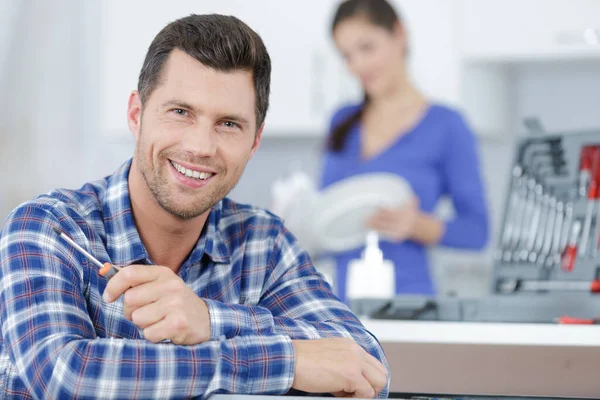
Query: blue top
x=438, y=156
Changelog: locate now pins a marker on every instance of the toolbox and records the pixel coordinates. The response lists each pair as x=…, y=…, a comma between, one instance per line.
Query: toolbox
x=546, y=266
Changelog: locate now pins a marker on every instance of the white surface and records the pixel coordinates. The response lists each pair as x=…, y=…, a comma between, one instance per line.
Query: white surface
x=516, y=30
x=483, y=333
x=493, y=83
x=343, y=208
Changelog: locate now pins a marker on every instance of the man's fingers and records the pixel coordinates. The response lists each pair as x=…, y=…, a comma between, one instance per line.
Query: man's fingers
x=376, y=379
x=362, y=389
x=159, y=331
x=377, y=364
x=149, y=314
x=130, y=276
x=341, y=394
x=140, y=296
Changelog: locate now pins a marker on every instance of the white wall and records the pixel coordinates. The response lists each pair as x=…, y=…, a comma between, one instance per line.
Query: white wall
x=565, y=96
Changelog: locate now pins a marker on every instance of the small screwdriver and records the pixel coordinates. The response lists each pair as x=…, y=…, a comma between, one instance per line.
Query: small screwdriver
x=107, y=270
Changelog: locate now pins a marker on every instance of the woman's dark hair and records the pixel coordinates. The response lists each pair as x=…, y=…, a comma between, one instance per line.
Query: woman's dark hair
x=379, y=13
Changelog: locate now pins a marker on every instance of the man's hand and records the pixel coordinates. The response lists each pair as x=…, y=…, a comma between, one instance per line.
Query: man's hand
x=160, y=303
x=337, y=366
x=396, y=223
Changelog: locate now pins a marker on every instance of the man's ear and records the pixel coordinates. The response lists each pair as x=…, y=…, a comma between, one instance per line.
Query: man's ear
x=257, y=138
x=134, y=113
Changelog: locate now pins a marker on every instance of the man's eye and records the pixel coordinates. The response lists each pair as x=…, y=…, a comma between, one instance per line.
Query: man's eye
x=230, y=124
x=180, y=111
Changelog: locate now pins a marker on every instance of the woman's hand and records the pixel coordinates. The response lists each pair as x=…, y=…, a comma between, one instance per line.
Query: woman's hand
x=397, y=224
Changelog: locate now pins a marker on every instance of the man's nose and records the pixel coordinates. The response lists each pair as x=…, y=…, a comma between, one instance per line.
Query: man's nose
x=201, y=140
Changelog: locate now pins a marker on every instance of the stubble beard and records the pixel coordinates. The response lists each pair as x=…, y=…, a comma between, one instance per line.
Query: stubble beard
x=157, y=182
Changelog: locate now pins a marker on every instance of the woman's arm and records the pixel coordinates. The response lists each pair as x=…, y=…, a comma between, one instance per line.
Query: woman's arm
x=463, y=183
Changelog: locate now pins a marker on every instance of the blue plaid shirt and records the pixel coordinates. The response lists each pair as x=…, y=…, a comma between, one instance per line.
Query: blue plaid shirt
x=60, y=340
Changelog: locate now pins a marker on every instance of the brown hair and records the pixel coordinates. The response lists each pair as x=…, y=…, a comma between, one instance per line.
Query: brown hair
x=220, y=42
x=379, y=13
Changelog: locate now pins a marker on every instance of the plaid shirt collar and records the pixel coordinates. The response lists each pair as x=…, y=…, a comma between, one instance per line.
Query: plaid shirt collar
x=122, y=234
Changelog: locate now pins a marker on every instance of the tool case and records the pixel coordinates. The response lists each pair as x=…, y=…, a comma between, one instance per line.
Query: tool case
x=547, y=260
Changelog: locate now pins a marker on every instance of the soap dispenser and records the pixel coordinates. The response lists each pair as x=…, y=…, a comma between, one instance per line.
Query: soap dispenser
x=371, y=276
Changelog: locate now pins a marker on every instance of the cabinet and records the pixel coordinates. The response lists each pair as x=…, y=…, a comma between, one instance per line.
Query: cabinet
x=529, y=30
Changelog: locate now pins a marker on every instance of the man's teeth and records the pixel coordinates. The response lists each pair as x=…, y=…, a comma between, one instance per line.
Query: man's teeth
x=190, y=173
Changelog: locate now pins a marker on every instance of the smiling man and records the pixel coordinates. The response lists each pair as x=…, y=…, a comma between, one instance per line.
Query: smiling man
x=213, y=296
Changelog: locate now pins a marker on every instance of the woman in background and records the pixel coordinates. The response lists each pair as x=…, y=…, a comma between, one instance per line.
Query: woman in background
x=396, y=129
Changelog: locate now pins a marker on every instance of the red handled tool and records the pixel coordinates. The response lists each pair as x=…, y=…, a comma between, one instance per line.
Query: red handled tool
x=566, y=320
x=569, y=255
x=585, y=170
x=592, y=198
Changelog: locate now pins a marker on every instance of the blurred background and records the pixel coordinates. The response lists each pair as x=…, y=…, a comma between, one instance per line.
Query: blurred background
x=68, y=66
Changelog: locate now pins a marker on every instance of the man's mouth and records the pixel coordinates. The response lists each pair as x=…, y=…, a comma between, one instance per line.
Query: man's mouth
x=190, y=173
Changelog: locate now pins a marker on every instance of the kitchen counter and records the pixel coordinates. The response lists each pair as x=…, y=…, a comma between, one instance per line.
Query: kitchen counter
x=483, y=333
x=491, y=358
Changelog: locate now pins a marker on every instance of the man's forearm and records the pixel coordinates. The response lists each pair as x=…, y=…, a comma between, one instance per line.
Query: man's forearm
x=102, y=368
x=232, y=320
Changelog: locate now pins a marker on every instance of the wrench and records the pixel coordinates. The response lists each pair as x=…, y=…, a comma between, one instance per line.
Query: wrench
x=521, y=251
x=513, y=204
x=555, y=251
x=549, y=230
x=539, y=240
x=527, y=253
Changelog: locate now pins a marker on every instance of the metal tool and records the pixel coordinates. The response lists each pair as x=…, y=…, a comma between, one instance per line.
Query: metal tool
x=585, y=170
x=545, y=252
x=512, y=215
x=539, y=239
x=570, y=252
x=577, y=321
x=592, y=195
x=536, y=219
x=555, y=250
x=107, y=270
x=521, y=253
x=596, y=235
x=517, y=221
x=508, y=286
x=595, y=239
x=566, y=225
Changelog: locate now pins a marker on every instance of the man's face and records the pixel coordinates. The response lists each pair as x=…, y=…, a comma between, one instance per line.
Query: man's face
x=195, y=134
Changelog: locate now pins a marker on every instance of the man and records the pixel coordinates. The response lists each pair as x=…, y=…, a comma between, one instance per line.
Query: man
x=213, y=296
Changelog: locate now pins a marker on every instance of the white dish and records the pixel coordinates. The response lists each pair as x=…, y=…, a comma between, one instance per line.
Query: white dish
x=343, y=208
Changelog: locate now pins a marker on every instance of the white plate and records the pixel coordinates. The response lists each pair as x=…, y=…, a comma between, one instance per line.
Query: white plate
x=342, y=209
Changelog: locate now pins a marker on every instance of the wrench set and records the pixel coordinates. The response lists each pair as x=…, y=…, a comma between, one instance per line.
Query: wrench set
x=550, y=238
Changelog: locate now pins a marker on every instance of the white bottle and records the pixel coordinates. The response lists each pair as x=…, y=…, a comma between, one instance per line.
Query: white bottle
x=370, y=276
